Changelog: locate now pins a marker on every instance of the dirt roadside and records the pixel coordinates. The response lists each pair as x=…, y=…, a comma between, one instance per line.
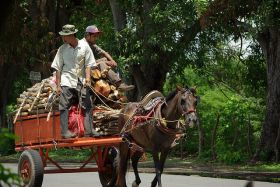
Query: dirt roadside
x=179, y=167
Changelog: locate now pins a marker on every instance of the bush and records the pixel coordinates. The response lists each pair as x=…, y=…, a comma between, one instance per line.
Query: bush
x=7, y=143
x=7, y=177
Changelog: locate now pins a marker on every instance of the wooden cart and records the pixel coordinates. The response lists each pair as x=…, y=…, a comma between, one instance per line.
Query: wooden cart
x=37, y=136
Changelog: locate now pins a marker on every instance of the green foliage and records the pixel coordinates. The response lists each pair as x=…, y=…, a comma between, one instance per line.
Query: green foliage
x=70, y=155
x=6, y=176
x=98, y=14
x=236, y=114
x=201, y=6
x=7, y=142
x=155, y=31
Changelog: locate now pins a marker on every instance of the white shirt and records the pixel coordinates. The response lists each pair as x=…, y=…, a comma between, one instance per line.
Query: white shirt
x=72, y=62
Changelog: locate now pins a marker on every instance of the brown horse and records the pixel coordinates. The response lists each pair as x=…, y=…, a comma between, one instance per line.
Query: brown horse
x=155, y=132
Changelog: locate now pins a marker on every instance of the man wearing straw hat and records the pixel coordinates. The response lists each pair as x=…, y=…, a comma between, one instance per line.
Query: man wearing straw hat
x=72, y=63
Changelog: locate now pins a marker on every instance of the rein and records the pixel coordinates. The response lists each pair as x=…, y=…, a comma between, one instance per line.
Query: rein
x=162, y=126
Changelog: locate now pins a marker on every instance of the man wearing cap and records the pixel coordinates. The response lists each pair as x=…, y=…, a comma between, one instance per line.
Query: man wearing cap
x=72, y=63
x=91, y=34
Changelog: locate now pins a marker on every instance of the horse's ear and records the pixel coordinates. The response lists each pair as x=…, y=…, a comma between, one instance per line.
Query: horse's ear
x=179, y=88
x=193, y=89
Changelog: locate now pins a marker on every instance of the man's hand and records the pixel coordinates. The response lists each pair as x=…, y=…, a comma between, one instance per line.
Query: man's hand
x=58, y=90
x=87, y=82
x=111, y=63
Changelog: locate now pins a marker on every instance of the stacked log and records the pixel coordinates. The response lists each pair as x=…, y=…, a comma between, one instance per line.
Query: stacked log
x=105, y=89
x=105, y=120
x=35, y=99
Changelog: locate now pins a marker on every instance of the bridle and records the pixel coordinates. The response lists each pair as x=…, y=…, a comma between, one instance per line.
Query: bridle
x=180, y=108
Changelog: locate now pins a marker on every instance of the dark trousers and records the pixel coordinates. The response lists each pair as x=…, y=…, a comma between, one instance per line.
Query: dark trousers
x=113, y=77
x=71, y=96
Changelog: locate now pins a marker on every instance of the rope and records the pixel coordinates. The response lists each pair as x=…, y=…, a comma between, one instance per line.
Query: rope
x=105, y=97
x=97, y=94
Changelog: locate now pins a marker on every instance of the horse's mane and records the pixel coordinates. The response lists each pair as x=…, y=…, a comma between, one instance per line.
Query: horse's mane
x=170, y=95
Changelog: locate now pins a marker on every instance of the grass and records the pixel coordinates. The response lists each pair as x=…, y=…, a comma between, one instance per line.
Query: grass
x=269, y=167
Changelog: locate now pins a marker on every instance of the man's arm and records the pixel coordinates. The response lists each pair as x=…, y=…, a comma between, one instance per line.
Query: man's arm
x=88, y=82
x=89, y=63
x=57, y=64
x=111, y=62
x=58, y=80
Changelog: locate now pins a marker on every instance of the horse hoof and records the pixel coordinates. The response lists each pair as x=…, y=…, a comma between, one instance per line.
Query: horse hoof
x=134, y=184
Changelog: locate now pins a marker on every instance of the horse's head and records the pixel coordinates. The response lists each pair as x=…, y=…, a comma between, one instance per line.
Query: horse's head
x=187, y=102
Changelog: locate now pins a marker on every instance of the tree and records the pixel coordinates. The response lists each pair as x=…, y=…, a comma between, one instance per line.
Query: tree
x=160, y=33
x=154, y=38
x=34, y=24
x=268, y=38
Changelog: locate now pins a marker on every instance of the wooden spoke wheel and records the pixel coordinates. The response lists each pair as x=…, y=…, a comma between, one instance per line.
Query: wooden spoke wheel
x=108, y=177
x=30, y=168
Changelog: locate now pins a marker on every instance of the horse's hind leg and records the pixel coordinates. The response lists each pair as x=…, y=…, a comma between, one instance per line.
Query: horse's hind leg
x=123, y=162
x=135, y=158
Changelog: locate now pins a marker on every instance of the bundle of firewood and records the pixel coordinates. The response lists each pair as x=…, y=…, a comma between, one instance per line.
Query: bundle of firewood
x=34, y=100
x=105, y=89
x=105, y=120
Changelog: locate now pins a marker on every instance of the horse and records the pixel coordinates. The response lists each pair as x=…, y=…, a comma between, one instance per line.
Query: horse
x=156, y=132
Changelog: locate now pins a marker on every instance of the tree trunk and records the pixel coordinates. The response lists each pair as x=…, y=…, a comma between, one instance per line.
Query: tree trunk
x=213, y=139
x=201, y=139
x=270, y=44
x=249, y=137
x=5, y=10
x=118, y=15
x=62, y=15
x=14, y=56
x=277, y=144
x=7, y=76
x=235, y=126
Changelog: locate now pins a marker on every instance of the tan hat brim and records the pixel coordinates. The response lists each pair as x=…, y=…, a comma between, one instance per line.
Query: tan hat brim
x=67, y=33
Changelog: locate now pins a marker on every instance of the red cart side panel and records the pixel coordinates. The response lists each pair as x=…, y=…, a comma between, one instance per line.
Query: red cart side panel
x=36, y=129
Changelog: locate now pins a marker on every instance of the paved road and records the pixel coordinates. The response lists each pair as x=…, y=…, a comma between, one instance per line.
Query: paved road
x=92, y=180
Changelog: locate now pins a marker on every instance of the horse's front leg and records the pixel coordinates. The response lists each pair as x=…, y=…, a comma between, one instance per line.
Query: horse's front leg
x=135, y=158
x=160, y=164
x=157, y=169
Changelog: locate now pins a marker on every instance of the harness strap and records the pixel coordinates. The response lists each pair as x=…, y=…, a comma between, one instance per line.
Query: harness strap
x=160, y=125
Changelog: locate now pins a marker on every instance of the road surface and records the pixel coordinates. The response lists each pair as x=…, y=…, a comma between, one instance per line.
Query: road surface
x=92, y=180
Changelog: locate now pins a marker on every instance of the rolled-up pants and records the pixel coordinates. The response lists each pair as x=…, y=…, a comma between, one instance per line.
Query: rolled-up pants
x=114, y=78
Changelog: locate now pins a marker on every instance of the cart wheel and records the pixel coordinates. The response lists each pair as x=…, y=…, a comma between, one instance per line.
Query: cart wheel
x=109, y=176
x=30, y=168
